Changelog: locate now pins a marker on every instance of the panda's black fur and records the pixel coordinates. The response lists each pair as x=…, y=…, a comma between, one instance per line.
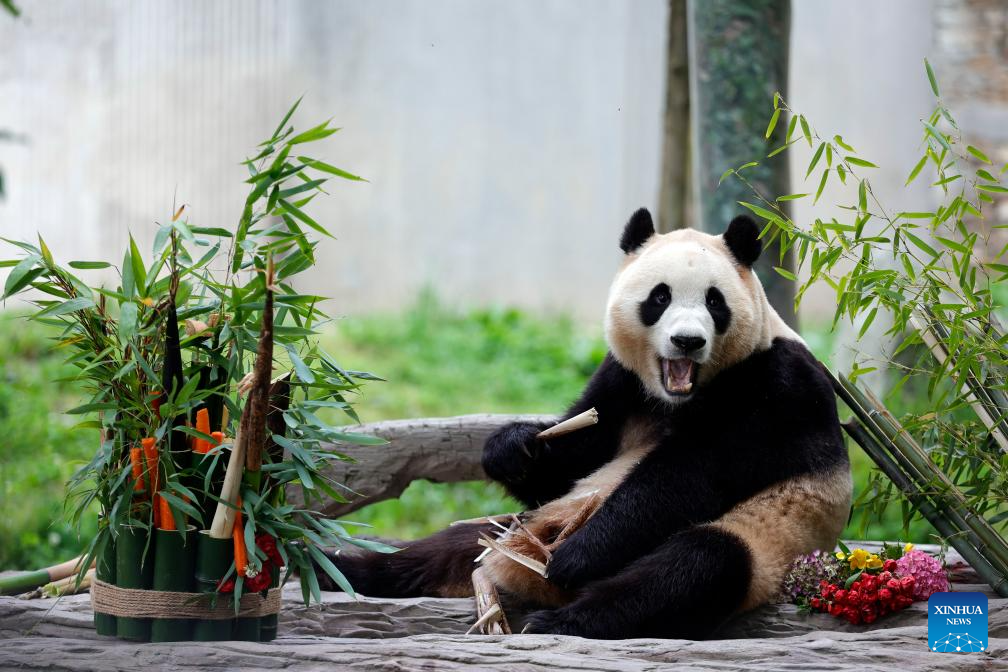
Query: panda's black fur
x=649, y=561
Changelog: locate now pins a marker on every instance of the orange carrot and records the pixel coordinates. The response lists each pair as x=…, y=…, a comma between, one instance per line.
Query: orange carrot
x=202, y=426
x=136, y=461
x=167, y=519
x=218, y=438
x=238, y=537
x=151, y=458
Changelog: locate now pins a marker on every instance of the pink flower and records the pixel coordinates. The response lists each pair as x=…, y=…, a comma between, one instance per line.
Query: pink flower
x=926, y=570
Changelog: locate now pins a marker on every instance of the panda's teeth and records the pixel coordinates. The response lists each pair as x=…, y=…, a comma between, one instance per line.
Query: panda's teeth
x=677, y=375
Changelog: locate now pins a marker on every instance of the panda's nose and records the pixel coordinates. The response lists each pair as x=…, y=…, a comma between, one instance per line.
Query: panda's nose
x=689, y=343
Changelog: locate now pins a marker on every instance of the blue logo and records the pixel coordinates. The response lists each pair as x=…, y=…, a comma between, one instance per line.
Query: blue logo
x=957, y=622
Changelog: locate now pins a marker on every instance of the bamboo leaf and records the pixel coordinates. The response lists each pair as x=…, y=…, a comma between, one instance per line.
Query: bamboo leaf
x=87, y=265
x=931, y=78
x=920, y=243
x=916, y=170
x=805, y=130
x=815, y=159
x=773, y=121
x=978, y=154
x=822, y=185
x=859, y=162
x=20, y=276
x=785, y=273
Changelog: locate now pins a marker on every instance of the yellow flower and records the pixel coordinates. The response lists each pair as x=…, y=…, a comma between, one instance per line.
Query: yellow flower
x=840, y=555
x=858, y=558
x=908, y=548
x=874, y=562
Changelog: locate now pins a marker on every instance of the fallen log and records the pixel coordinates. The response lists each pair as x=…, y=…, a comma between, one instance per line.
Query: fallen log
x=442, y=450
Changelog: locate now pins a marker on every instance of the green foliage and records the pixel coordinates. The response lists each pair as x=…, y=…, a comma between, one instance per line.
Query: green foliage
x=926, y=271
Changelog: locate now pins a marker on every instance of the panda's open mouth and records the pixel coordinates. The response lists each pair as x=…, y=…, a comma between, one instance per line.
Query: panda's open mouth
x=678, y=375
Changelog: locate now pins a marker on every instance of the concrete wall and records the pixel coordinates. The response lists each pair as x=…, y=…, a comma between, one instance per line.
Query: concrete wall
x=505, y=143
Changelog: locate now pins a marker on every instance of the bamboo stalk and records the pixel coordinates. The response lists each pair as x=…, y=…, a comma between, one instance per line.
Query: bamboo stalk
x=916, y=463
x=223, y=520
x=976, y=522
x=579, y=421
x=253, y=420
x=941, y=523
x=23, y=581
x=980, y=397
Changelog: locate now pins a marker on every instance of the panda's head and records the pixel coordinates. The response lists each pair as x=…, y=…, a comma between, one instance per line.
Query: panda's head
x=686, y=305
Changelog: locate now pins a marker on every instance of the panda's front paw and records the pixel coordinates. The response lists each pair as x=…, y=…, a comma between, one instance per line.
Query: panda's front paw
x=511, y=451
x=553, y=622
x=567, y=568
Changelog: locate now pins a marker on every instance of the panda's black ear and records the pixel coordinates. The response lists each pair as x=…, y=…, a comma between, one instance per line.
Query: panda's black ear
x=742, y=239
x=637, y=231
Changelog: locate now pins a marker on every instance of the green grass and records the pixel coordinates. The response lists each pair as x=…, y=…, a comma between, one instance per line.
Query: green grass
x=436, y=361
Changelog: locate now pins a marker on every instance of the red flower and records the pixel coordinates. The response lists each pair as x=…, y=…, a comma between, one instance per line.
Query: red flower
x=854, y=598
x=815, y=602
x=262, y=580
x=889, y=565
x=852, y=615
x=835, y=609
x=885, y=594
x=885, y=576
x=840, y=595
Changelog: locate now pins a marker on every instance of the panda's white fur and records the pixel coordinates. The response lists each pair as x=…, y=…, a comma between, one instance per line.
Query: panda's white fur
x=688, y=261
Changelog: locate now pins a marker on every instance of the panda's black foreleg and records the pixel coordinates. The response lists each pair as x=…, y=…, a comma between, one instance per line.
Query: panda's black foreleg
x=684, y=589
x=440, y=565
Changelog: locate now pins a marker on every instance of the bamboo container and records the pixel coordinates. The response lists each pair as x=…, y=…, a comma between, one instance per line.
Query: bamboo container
x=134, y=569
x=213, y=559
x=105, y=570
x=246, y=629
x=174, y=570
x=268, y=623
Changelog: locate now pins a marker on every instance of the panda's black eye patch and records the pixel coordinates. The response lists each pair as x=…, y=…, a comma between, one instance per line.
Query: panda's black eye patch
x=651, y=309
x=718, y=309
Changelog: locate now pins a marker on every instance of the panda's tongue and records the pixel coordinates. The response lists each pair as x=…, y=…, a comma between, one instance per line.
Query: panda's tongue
x=678, y=374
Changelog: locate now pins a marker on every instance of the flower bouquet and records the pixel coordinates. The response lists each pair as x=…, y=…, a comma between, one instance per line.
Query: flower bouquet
x=209, y=396
x=861, y=586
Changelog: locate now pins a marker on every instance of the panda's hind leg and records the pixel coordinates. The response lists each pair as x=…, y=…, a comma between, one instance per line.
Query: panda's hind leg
x=440, y=565
x=685, y=588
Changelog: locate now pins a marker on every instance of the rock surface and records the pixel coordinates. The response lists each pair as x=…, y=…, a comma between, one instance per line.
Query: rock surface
x=427, y=633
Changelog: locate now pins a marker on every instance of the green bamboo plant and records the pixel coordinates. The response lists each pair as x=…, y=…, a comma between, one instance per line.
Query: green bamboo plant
x=179, y=333
x=933, y=273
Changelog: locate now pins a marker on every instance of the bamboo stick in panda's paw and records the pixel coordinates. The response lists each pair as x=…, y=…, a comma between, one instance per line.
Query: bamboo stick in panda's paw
x=579, y=421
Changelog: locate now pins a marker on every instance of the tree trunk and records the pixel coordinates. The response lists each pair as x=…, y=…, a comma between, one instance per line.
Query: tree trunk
x=673, y=197
x=739, y=58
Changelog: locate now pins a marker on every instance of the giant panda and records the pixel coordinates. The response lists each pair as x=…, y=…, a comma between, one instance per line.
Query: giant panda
x=717, y=459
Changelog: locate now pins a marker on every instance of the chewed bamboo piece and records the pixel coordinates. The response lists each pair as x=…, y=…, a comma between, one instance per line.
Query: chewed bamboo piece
x=536, y=566
x=68, y=585
x=490, y=615
x=500, y=517
x=579, y=421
